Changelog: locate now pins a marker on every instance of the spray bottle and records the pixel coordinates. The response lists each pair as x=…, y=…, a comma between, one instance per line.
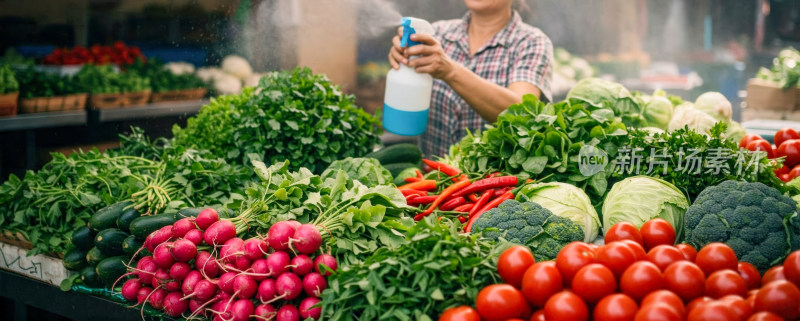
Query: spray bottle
x=408, y=93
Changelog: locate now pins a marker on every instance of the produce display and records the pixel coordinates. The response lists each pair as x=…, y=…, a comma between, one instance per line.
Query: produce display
x=118, y=54
x=105, y=80
x=785, y=70
x=34, y=83
x=163, y=78
x=8, y=81
x=568, y=69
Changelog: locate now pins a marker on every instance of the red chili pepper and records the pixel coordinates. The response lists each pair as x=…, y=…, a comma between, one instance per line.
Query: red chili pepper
x=487, y=195
x=501, y=191
x=487, y=183
x=411, y=179
x=453, y=203
x=494, y=203
x=464, y=208
x=419, y=174
x=473, y=197
x=447, y=192
x=462, y=219
x=444, y=168
x=495, y=174
x=409, y=192
x=419, y=200
x=423, y=185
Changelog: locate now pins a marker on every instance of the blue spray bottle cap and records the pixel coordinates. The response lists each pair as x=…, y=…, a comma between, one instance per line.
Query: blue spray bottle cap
x=411, y=26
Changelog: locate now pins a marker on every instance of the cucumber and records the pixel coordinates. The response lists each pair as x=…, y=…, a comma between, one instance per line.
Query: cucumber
x=398, y=153
x=109, y=241
x=75, y=259
x=94, y=256
x=188, y=212
x=144, y=225
x=83, y=238
x=400, y=178
x=130, y=245
x=106, y=217
x=89, y=277
x=397, y=168
x=110, y=269
x=125, y=219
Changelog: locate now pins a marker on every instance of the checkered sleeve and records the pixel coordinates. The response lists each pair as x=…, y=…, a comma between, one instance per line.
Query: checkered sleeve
x=534, y=63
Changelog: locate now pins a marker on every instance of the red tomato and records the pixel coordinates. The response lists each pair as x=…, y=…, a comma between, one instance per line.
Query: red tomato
x=716, y=256
x=783, y=170
x=785, y=177
x=616, y=256
x=750, y=275
x=689, y=252
x=658, y=312
x=738, y=305
x=773, y=274
x=785, y=134
x=765, y=316
x=685, y=279
x=615, y=307
x=499, y=302
x=566, y=305
x=791, y=268
x=762, y=145
x=538, y=316
x=665, y=297
x=794, y=172
x=698, y=302
x=657, y=232
x=640, y=279
x=712, y=311
x=512, y=264
x=593, y=282
x=725, y=282
x=541, y=281
x=623, y=231
x=572, y=258
x=637, y=248
x=791, y=150
x=780, y=297
x=749, y=138
x=462, y=313
x=664, y=255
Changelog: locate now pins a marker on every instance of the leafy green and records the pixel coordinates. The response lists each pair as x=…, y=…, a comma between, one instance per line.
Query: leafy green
x=785, y=69
x=600, y=93
x=161, y=79
x=8, y=82
x=43, y=84
x=368, y=171
x=104, y=80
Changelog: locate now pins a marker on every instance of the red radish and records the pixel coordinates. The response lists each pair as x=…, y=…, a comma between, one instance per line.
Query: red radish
x=190, y=281
x=280, y=235
x=174, y=306
x=326, y=260
x=231, y=250
x=242, y=263
x=223, y=296
x=222, y=309
x=182, y=226
x=278, y=263
x=288, y=286
x=302, y=265
x=255, y=248
x=266, y=290
x=179, y=271
x=219, y=233
x=145, y=269
x=205, y=218
x=314, y=283
x=162, y=257
x=265, y=312
x=183, y=250
x=244, y=287
x=160, y=278
x=306, y=239
x=142, y=294
x=308, y=311
x=294, y=224
x=226, y=281
x=158, y=237
x=260, y=270
x=207, y=264
x=196, y=236
x=204, y=290
x=131, y=289
x=241, y=310
x=288, y=313
x=196, y=307
x=156, y=299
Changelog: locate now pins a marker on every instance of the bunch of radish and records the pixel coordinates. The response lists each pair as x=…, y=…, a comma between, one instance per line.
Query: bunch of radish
x=201, y=269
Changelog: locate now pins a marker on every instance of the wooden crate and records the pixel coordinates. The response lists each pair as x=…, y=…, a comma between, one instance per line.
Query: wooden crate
x=179, y=95
x=105, y=101
x=137, y=98
x=764, y=95
x=8, y=104
x=56, y=103
x=14, y=258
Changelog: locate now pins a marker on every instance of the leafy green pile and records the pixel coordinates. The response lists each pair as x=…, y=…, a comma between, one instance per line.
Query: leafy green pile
x=163, y=80
x=437, y=268
x=599, y=93
x=34, y=83
x=785, y=69
x=292, y=115
x=368, y=171
x=8, y=82
x=104, y=80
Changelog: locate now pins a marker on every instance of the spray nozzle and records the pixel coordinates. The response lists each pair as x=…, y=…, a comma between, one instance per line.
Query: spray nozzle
x=412, y=26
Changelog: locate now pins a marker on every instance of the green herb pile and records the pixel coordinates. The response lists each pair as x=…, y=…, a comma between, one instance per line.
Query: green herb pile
x=785, y=70
x=163, y=80
x=8, y=82
x=34, y=83
x=104, y=80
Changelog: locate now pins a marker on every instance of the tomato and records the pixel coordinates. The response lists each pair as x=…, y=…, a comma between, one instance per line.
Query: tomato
x=698, y=302
x=791, y=150
x=541, y=281
x=665, y=297
x=572, y=258
x=765, y=316
x=685, y=279
x=773, y=274
x=593, y=282
x=499, y=302
x=762, y=145
x=791, y=268
x=716, y=256
x=657, y=232
x=749, y=138
x=725, y=282
x=658, y=312
x=538, y=316
x=616, y=256
x=689, y=252
x=512, y=264
x=615, y=307
x=462, y=313
x=640, y=279
x=738, y=305
x=750, y=275
x=783, y=170
x=623, y=231
x=664, y=255
x=785, y=134
x=780, y=297
x=785, y=178
x=566, y=305
x=637, y=248
x=712, y=311
x=794, y=172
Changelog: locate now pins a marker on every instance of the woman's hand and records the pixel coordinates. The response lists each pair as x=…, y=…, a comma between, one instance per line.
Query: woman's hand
x=432, y=58
x=397, y=53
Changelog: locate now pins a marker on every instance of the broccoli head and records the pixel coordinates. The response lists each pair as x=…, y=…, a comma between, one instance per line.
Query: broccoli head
x=755, y=220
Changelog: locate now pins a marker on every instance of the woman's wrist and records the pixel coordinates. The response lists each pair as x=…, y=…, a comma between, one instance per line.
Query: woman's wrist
x=454, y=72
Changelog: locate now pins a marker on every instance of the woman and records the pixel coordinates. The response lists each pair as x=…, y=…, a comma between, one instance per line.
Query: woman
x=481, y=64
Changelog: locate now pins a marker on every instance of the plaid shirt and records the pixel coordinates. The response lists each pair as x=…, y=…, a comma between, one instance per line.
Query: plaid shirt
x=518, y=53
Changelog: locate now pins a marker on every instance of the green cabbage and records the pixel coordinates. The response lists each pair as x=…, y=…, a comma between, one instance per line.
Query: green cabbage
x=658, y=112
x=608, y=95
x=715, y=105
x=641, y=198
x=735, y=131
x=564, y=200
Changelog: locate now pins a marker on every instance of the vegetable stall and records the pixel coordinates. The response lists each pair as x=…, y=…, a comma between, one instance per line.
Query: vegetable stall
x=278, y=203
